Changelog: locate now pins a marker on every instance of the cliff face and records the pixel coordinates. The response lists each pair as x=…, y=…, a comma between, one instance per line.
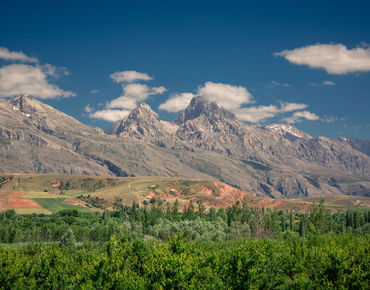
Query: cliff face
x=205, y=141
x=144, y=123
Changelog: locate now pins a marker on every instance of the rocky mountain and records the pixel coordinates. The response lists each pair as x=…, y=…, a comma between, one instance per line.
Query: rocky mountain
x=287, y=131
x=206, y=141
x=361, y=145
x=143, y=123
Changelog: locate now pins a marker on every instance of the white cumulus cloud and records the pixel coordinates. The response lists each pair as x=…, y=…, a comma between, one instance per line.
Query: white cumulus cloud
x=133, y=94
x=298, y=116
x=110, y=115
x=334, y=58
x=176, y=102
x=229, y=96
x=232, y=98
x=12, y=55
x=32, y=80
x=129, y=76
x=256, y=114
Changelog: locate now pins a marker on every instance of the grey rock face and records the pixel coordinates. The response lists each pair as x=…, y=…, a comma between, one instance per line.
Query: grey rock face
x=203, y=107
x=362, y=145
x=143, y=123
x=112, y=130
x=206, y=142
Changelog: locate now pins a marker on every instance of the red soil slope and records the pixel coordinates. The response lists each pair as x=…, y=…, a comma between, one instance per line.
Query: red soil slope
x=15, y=201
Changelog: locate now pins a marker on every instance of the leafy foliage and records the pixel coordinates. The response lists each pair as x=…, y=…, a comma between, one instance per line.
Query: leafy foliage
x=161, y=248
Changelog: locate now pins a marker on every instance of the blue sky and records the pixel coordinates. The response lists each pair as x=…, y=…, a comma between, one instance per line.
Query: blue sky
x=306, y=63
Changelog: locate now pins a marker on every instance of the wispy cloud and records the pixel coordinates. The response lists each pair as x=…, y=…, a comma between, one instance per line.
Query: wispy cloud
x=325, y=83
x=88, y=109
x=280, y=85
x=313, y=84
x=15, y=56
x=330, y=119
x=94, y=91
x=329, y=83
x=298, y=116
x=261, y=113
x=334, y=58
x=130, y=76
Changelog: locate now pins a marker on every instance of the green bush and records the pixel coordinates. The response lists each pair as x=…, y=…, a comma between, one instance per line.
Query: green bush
x=68, y=239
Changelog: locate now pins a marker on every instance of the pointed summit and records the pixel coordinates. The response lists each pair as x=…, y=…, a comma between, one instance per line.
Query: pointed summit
x=35, y=114
x=143, y=111
x=201, y=106
x=27, y=104
x=143, y=122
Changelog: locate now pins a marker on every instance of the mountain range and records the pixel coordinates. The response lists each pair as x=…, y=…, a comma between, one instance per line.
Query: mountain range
x=206, y=141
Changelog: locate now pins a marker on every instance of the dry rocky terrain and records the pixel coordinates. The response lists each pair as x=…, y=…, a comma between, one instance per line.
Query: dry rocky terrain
x=205, y=142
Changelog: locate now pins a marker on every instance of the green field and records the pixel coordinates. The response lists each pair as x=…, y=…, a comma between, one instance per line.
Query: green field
x=56, y=204
x=32, y=210
x=39, y=194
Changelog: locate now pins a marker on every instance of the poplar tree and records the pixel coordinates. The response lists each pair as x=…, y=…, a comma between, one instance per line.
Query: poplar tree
x=201, y=207
x=133, y=209
x=175, y=209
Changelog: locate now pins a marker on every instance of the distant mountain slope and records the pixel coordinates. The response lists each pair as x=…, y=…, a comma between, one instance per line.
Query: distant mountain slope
x=206, y=142
x=362, y=145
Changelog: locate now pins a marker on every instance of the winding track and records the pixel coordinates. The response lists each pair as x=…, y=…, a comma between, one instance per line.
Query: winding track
x=137, y=194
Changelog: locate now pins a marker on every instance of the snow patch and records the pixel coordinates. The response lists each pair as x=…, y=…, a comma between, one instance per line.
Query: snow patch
x=27, y=115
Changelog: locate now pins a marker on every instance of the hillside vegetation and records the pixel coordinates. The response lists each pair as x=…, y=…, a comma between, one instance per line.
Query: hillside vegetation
x=162, y=248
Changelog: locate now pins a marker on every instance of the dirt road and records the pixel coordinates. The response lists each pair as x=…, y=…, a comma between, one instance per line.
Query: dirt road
x=137, y=194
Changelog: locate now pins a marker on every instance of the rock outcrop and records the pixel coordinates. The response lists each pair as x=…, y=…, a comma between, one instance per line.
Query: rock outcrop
x=206, y=141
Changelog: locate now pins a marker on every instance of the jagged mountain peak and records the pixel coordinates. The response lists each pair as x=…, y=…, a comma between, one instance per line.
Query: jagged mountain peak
x=141, y=111
x=26, y=110
x=203, y=106
x=287, y=131
x=143, y=122
x=210, y=143
x=27, y=104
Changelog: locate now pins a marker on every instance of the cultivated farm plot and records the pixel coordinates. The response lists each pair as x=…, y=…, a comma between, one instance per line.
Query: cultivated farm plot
x=56, y=204
x=15, y=200
x=38, y=194
x=341, y=203
x=32, y=210
x=3, y=204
